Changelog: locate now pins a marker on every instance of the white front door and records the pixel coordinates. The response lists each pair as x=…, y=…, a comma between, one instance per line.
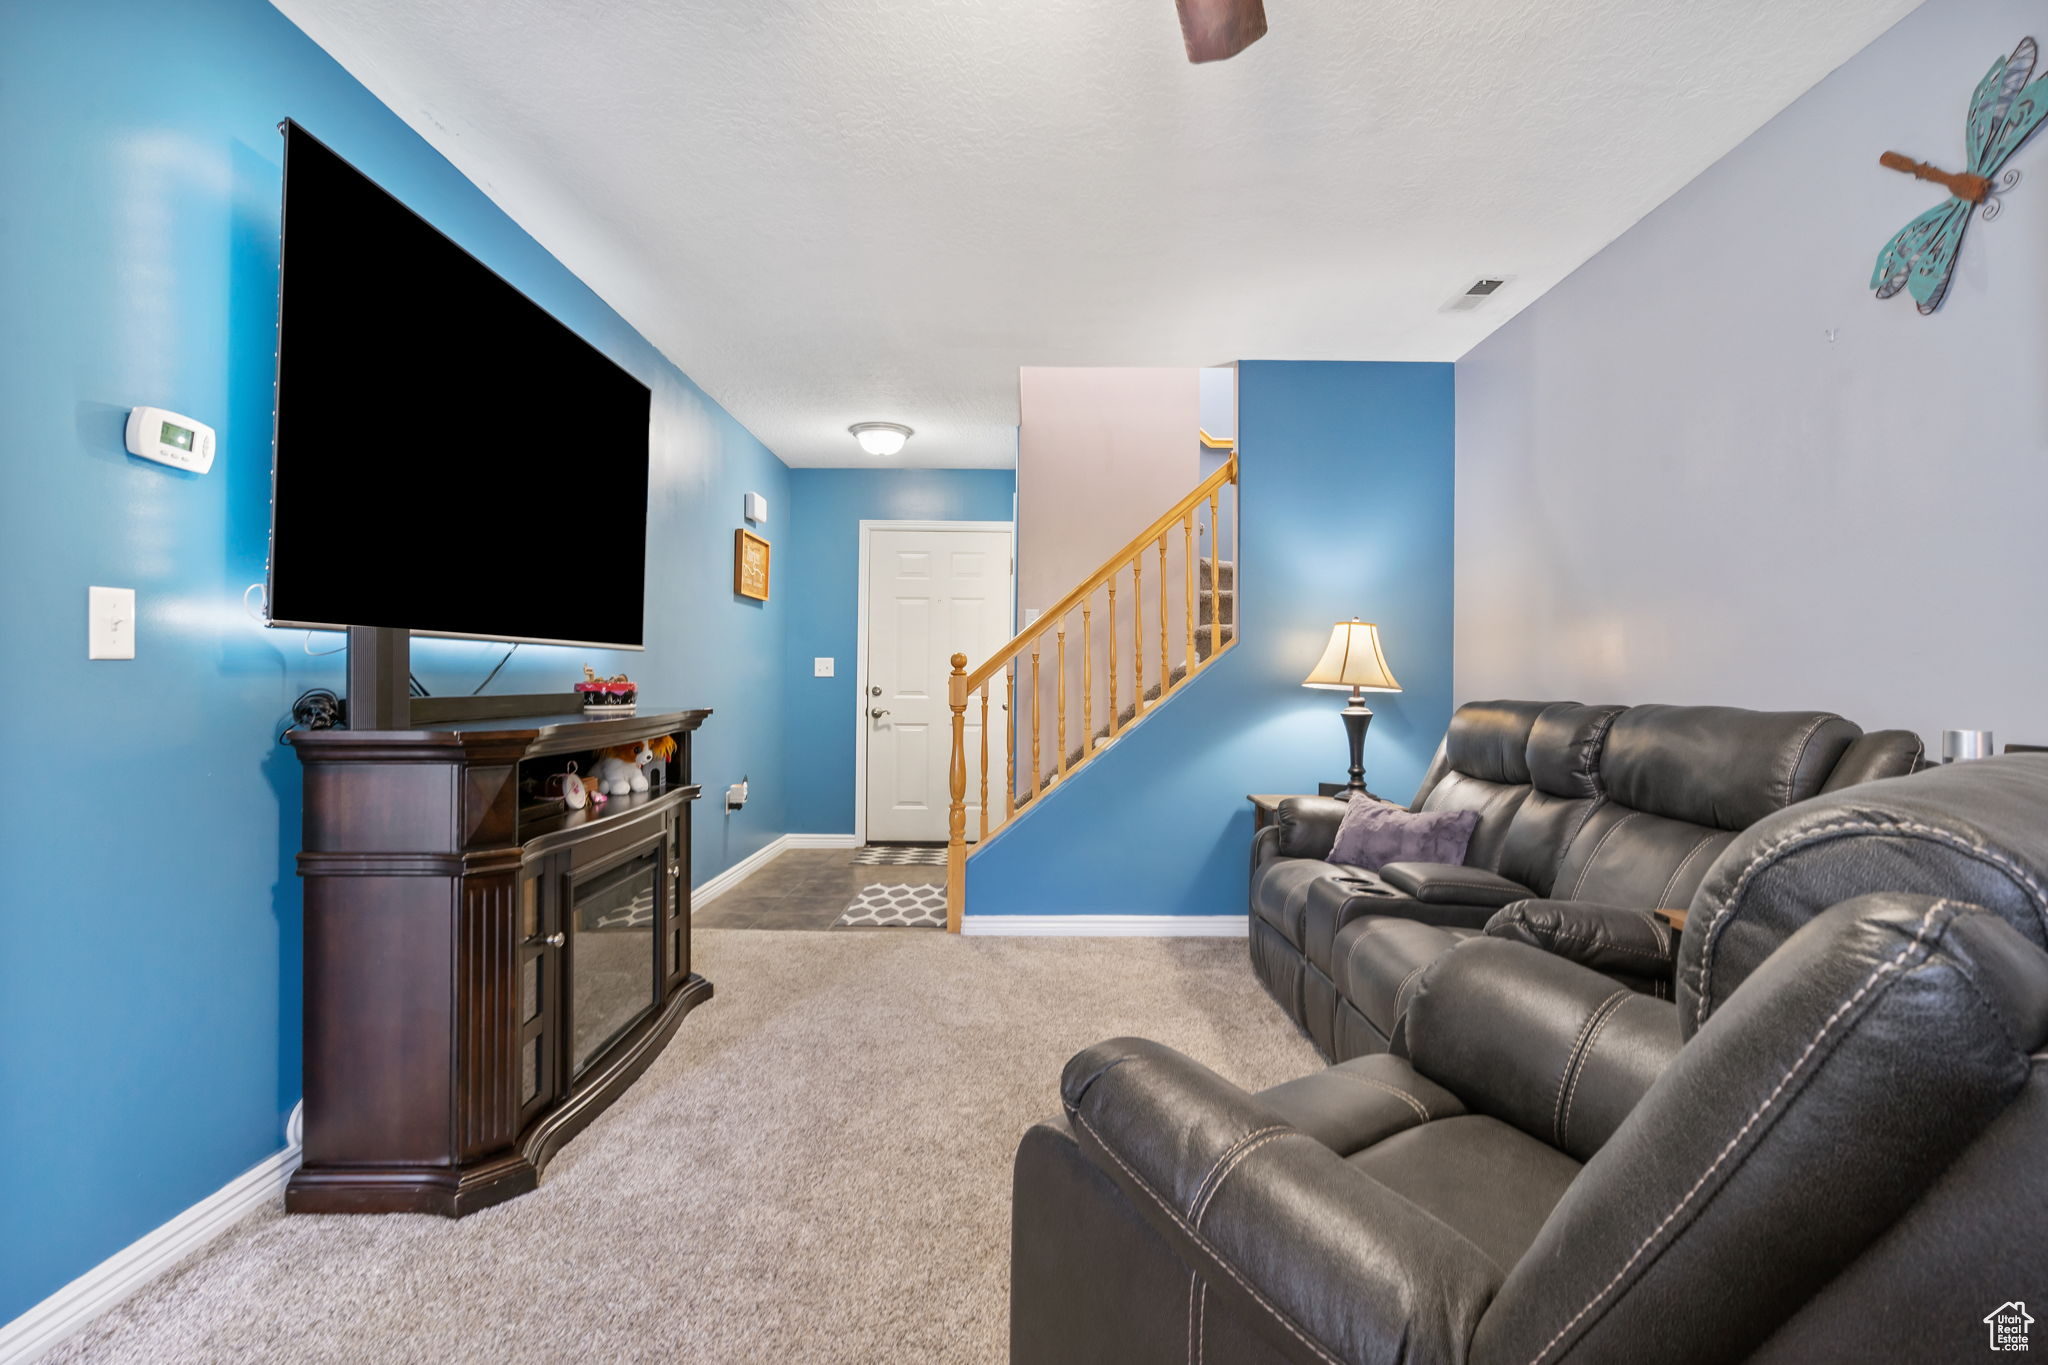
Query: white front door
x=930, y=594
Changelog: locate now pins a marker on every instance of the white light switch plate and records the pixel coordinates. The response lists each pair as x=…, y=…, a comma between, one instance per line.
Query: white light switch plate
x=110, y=623
x=821, y=668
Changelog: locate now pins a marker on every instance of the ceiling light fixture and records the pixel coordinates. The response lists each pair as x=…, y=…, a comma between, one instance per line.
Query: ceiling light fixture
x=881, y=438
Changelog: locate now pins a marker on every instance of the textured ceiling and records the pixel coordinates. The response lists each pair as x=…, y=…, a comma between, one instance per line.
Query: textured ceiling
x=827, y=211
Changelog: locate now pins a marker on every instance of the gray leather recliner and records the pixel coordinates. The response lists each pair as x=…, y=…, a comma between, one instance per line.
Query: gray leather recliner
x=1621, y=807
x=1827, y=1146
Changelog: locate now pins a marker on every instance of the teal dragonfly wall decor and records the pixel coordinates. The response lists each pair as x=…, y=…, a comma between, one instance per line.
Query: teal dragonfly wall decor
x=2004, y=113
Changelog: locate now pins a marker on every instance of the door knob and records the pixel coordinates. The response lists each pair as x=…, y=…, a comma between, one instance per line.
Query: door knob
x=556, y=939
x=878, y=714
x=874, y=691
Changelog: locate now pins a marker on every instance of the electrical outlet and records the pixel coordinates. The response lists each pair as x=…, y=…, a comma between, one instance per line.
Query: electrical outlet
x=110, y=623
x=821, y=668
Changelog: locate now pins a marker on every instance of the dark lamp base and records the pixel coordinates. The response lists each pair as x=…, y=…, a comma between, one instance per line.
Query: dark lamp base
x=1357, y=715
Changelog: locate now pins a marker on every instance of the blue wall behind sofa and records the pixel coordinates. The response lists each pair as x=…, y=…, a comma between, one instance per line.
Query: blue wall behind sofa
x=1346, y=477
x=819, y=554
x=149, y=995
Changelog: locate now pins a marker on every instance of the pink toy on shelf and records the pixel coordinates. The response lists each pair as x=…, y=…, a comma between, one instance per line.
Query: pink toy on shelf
x=571, y=790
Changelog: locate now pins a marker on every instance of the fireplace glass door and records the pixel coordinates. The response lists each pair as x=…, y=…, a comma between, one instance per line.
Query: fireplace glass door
x=611, y=955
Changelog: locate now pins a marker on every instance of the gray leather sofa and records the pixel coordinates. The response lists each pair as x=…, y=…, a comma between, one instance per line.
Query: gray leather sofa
x=1825, y=1146
x=1600, y=806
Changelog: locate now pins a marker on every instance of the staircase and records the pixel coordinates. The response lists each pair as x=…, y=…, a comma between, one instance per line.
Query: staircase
x=1137, y=645
x=1219, y=606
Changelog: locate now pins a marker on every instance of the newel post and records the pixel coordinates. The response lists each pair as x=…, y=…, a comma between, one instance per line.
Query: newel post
x=956, y=815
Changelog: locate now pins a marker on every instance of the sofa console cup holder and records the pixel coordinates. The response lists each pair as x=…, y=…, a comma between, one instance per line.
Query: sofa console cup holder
x=1366, y=888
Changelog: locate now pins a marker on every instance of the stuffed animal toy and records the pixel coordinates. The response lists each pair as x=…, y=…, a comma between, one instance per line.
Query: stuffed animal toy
x=623, y=768
x=570, y=790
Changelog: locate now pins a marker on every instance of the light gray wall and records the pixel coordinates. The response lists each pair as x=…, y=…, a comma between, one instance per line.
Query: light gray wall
x=1711, y=467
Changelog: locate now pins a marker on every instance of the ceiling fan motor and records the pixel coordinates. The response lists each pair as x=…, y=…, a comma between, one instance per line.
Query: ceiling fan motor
x=1215, y=29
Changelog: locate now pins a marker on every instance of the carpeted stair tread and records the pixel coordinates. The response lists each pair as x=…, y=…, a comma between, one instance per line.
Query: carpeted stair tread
x=1211, y=606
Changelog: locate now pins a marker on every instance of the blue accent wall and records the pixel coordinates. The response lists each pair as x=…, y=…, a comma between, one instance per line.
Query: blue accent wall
x=149, y=986
x=820, y=552
x=1345, y=509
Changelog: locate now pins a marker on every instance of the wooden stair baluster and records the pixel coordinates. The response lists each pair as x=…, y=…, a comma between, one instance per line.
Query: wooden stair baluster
x=1059, y=680
x=956, y=813
x=1138, y=636
x=1165, y=658
x=1215, y=580
x=1037, y=698
x=984, y=760
x=1113, y=726
x=1187, y=541
x=1009, y=741
x=1087, y=683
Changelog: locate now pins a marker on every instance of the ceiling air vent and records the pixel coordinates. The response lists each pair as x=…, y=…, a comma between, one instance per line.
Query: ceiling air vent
x=1480, y=291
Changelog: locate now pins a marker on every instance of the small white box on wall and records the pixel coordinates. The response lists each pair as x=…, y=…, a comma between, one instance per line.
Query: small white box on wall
x=756, y=508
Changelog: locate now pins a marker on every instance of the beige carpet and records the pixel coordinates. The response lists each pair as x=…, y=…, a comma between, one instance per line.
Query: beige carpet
x=817, y=1169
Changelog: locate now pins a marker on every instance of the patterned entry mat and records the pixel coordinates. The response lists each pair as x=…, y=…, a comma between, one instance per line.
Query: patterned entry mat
x=899, y=855
x=896, y=907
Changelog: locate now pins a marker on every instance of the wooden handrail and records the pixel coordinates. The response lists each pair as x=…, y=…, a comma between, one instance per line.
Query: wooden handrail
x=1226, y=474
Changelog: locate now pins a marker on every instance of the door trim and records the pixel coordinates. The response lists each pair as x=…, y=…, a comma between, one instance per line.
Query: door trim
x=860, y=644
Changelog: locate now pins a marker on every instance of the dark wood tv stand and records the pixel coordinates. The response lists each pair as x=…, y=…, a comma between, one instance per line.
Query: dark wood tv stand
x=456, y=924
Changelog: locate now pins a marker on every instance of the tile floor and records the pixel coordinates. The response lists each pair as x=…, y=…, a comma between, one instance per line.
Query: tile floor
x=805, y=888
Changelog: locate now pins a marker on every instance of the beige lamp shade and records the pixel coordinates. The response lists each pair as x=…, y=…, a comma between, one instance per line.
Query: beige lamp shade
x=1353, y=659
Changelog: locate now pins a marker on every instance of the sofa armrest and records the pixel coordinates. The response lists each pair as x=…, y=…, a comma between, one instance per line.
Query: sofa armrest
x=1452, y=884
x=1265, y=846
x=1308, y=826
x=1813, y=1124
x=1877, y=755
x=1554, y=1048
x=1633, y=946
x=1326, y=1261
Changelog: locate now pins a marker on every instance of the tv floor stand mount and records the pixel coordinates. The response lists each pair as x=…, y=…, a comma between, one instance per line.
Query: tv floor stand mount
x=380, y=689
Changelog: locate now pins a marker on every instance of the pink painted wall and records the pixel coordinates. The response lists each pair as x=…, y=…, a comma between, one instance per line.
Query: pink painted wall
x=1100, y=453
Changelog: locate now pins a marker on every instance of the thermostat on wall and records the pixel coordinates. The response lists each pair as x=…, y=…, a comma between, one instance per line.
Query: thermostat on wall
x=167, y=438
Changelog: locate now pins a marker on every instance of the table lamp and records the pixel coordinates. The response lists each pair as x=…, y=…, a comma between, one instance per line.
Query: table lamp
x=1353, y=660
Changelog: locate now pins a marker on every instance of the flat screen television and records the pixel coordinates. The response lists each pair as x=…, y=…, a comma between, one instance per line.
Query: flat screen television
x=450, y=458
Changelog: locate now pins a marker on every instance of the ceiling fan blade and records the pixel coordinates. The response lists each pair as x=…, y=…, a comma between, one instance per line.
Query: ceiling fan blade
x=1215, y=29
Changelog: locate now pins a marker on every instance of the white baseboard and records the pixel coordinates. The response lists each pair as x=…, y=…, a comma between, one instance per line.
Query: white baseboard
x=1109, y=926
x=53, y=1321
x=820, y=841
x=734, y=875
x=747, y=866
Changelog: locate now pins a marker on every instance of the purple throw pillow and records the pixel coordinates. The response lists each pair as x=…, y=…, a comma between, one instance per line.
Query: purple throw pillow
x=1374, y=834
